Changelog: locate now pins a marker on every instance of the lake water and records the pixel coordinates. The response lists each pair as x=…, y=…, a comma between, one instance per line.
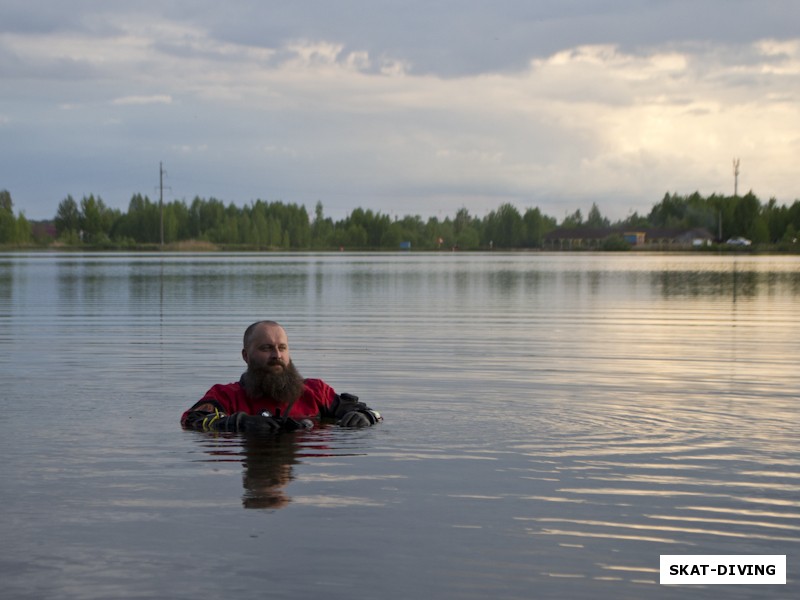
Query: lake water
x=553, y=424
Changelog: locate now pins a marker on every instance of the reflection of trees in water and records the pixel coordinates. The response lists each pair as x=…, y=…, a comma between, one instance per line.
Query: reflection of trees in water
x=712, y=280
x=708, y=283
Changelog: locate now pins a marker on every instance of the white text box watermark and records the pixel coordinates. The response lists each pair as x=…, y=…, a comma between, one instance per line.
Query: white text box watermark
x=723, y=568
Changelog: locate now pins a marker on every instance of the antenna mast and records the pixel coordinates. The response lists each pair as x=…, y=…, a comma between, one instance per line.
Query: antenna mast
x=735, y=177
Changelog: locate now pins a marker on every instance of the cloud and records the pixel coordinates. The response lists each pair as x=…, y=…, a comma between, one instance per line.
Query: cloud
x=155, y=99
x=322, y=110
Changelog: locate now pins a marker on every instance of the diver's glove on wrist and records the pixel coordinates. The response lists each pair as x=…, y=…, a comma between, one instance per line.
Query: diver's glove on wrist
x=240, y=422
x=349, y=412
x=359, y=418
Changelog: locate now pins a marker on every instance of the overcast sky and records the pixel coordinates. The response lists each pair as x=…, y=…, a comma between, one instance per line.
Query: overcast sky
x=405, y=107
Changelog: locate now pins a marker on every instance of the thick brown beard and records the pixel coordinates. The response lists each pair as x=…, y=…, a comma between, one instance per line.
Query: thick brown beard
x=283, y=386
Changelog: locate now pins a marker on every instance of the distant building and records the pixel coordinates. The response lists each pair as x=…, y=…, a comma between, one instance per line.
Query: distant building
x=591, y=238
x=635, y=238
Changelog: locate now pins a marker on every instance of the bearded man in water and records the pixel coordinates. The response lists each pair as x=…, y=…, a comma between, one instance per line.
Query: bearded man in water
x=271, y=395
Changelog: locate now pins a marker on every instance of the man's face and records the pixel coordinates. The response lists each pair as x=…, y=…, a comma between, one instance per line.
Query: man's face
x=268, y=349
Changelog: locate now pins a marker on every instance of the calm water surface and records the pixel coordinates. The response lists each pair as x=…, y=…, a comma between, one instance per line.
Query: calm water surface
x=554, y=423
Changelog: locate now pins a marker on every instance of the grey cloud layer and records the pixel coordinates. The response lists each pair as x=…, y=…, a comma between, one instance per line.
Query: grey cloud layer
x=403, y=106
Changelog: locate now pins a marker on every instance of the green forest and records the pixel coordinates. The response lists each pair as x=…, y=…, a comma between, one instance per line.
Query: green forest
x=213, y=224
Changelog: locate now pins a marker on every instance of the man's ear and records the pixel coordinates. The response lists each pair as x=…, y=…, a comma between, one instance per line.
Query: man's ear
x=244, y=354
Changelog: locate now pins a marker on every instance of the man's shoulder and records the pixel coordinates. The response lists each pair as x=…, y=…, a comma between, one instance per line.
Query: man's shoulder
x=234, y=385
x=315, y=383
x=224, y=390
x=318, y=387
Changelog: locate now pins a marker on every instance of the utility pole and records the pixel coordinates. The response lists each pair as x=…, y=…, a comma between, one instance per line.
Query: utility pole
x=735, y=177
x=161, y=199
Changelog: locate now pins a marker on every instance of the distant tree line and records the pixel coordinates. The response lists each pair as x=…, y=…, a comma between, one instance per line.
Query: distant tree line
x=15, y=231
x=280, y=226
x=730, y=216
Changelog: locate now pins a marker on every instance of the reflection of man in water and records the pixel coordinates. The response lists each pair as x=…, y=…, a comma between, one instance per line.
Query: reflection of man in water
x=271, y=395
x=268, y=464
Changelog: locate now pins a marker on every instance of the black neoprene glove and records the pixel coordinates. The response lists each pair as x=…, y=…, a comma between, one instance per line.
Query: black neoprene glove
x=349, y=412
x=355, y=419
x=244, y=423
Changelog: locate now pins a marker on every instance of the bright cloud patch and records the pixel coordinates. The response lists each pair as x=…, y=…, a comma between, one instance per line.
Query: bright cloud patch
x=157, y=99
